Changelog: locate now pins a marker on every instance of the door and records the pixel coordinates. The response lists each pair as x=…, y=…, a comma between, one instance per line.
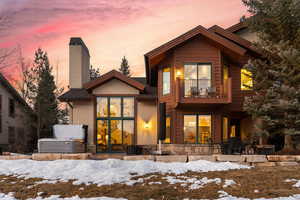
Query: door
x=235, y=127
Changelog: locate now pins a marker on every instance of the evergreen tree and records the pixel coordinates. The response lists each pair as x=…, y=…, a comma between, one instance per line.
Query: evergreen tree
x=276, y=75
x=124, y=68
x=46, y=105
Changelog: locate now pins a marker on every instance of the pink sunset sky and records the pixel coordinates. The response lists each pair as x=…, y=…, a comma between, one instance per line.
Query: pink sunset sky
x=111, y=29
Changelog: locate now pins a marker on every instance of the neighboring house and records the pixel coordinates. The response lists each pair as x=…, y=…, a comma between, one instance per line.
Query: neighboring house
x=192, y=95
x=15, y=133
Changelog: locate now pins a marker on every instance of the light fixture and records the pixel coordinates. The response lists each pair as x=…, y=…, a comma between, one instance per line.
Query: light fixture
x=178, y=73
x=147, y=125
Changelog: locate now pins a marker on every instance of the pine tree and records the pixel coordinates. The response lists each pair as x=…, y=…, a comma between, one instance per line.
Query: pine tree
x=276, y=76
x=46, y=105
x=124, y=68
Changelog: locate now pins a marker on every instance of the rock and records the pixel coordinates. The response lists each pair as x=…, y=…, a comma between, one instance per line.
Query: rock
x=264, y=164
x=178, y=158
x=230, y=158
x=199, y=157
x=139, y=157
x=46, y=156
x=287, y=163
x=281, y=158
x=256, y=158
x=76, y=156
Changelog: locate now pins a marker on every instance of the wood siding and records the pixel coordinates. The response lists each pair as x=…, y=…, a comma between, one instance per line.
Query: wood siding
x=200, y=50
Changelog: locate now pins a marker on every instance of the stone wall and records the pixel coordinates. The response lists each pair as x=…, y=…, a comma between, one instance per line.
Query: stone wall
x=183, y=149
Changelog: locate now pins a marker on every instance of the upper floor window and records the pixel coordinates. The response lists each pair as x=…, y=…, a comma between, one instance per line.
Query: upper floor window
x=11, y=108
x=166, y=80
x=246, y=80
x=197, y=79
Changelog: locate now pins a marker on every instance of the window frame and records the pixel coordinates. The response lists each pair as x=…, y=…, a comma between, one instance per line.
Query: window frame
x=243, y=86
x=168, y=116
x=198, y=133
x=121, y=118
x=169, y=81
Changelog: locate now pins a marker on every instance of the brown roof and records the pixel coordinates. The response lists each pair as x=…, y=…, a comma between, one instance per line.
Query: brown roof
x=233, y=37
x=111, y=75
x=190, y=34
x=75, y=94
x=237, y=27
x=13, y=91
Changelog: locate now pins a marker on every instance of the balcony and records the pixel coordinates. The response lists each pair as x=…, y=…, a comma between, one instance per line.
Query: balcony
x=196, y=91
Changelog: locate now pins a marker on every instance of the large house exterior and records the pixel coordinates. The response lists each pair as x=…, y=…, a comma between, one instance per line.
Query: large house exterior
x=16, y=133
x=191, y=97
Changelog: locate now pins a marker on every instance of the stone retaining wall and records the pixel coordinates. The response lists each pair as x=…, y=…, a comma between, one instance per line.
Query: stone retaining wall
x=254, y=160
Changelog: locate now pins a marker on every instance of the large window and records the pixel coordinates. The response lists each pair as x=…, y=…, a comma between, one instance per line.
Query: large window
x=115, y=123
x=166, y=80
x=197, y=129
x=246, y=80
x=197, y=78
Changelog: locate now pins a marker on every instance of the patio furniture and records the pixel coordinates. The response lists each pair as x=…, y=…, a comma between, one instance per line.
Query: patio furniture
x=211, y=91
x=233, y=146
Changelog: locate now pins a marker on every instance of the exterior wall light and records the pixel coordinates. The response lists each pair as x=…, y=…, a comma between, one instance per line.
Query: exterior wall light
x=147, y=125
x=178, y=73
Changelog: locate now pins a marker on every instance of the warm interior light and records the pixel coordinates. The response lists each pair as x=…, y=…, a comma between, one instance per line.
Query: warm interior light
x=178, y=73
x=147, y=125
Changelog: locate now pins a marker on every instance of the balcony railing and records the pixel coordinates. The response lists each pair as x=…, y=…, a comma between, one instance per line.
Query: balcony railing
x=201, y=91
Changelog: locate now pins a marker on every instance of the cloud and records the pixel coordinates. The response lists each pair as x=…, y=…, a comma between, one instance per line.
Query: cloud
x=110, y=28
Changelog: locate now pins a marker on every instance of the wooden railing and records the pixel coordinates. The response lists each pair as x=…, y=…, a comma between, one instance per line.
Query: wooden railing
x=197, y=91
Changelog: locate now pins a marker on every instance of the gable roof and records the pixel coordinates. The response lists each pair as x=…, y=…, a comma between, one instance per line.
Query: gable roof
x=233, y=37
x=114, y=75
x=75, y=94
x=237, y=27
x=190, y=34
x=4, y=82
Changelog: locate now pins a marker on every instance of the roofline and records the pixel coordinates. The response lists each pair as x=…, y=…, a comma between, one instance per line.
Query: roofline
x=190, y=34
x=237, y=27
x=13, y=91
x=110, y=75
x=234, y=38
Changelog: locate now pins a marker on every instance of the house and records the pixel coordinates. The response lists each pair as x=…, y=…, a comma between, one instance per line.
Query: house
x=191, y=97
x=16, y=133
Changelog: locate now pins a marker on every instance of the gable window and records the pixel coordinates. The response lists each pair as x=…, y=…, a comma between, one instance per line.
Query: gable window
x=197, y=79
x=246, y=80
x=197, y=129
x=166, y=81
x=11, y=108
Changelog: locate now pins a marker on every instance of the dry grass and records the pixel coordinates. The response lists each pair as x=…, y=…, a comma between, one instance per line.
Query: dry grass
x=269, y=181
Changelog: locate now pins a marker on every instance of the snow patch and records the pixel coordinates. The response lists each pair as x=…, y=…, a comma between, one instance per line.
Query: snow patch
x=105, y=172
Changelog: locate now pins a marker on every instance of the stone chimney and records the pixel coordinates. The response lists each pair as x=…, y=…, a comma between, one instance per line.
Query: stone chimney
x=79, y=63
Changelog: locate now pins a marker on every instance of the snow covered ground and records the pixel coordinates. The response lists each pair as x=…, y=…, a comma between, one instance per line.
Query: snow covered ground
x=111, y=171
x=104, y=172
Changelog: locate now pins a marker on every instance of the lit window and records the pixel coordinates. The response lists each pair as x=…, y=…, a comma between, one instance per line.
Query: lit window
x=246, y=80
x=225, y=129
x=168, y=130
x=166, y=80
x=200, y=135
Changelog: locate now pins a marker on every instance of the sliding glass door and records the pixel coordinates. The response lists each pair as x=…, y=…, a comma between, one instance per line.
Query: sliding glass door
x=115, y=123
x=197, y=129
